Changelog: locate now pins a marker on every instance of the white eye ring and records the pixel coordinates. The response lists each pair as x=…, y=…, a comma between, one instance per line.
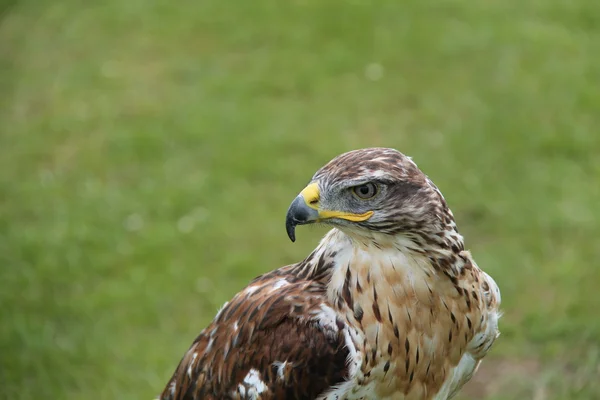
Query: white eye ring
x=365, y=191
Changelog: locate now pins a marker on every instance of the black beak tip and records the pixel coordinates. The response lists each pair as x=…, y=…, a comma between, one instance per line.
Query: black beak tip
x=290, y=227
x=292, y=234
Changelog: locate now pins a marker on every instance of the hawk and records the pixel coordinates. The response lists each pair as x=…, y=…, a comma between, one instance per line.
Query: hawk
x=389, y=305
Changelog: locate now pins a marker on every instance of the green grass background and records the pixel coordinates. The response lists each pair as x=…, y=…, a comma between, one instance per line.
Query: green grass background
x=149, y=150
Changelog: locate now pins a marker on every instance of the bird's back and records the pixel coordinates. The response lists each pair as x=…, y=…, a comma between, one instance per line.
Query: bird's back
x=276, y=339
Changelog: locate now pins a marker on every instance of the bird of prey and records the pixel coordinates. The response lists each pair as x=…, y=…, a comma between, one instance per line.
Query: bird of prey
x=389, y=305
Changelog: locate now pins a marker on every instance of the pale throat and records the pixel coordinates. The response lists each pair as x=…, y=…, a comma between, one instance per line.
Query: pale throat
x=361, y=263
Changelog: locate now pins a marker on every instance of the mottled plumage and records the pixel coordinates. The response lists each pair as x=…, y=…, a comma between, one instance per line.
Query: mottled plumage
x=389, y=305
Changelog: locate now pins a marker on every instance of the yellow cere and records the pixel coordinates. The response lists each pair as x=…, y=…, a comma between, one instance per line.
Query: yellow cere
x=311, y=196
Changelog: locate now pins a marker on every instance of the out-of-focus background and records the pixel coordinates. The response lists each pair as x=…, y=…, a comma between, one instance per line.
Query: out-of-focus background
x=149, y=151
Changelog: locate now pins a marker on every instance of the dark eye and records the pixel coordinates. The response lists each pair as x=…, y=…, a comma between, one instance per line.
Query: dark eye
x=365, y=191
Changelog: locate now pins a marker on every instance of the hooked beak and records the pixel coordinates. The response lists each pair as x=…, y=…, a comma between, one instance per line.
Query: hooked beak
x=305, y=209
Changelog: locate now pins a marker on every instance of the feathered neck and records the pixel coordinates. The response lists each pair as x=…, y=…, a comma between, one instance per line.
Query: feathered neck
x=338, y=249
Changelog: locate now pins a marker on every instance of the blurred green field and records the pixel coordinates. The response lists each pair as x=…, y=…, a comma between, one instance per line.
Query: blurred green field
x=149, y=151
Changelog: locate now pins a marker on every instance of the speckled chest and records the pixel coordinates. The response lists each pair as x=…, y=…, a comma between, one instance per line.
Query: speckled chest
x=409, y=323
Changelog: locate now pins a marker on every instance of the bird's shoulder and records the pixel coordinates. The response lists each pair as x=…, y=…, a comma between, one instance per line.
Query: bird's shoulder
x=476, y=317
x=277, y=338
x=483, y=300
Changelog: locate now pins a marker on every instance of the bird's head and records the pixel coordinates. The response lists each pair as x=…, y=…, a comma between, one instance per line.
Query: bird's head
x=373, y=192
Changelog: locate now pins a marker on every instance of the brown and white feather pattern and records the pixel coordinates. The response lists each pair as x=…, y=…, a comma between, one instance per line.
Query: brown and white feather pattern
x=399, y=312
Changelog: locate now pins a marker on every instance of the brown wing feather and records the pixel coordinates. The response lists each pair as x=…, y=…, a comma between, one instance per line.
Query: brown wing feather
x=269, y=333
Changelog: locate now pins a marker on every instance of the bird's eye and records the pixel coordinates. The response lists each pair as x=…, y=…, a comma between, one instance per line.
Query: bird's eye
x=366, y=191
